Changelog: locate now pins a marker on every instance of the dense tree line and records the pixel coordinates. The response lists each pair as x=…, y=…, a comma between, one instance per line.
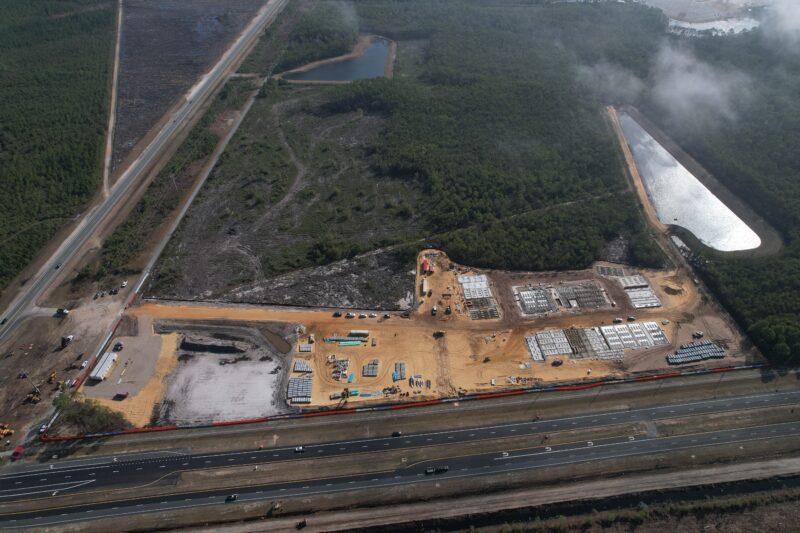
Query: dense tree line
x=328, y=29
x=494, y=126
x=756, y=156
x=54, y=75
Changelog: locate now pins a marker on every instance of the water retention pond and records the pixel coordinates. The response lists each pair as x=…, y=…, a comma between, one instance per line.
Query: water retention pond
x=680, y=199
x=370, y=64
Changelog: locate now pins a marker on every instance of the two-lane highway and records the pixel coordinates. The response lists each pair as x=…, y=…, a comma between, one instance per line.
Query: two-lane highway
x=130, y=471
x=97, y=217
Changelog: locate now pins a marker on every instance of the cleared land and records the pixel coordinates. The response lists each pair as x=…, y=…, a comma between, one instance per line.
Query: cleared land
x=447, y=353
x=319, y=174
x=166, y=47
x=295, y=188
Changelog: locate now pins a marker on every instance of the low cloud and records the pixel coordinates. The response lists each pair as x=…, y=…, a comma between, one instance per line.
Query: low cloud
x=691, y=90
x=612, y=83
x=783, y=21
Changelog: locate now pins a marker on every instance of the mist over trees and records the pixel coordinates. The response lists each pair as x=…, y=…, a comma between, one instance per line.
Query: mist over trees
x=731, y=102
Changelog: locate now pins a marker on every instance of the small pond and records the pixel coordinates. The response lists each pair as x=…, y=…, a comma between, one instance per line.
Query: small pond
x=370, y=64
x=680, y=199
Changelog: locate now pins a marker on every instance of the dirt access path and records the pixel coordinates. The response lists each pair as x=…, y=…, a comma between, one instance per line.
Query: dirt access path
x=112, y=104
x=636, y=178
x=299, y=176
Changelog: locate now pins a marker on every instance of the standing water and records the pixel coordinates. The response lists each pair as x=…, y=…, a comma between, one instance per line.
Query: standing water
x=680, y=199
x=370, y=64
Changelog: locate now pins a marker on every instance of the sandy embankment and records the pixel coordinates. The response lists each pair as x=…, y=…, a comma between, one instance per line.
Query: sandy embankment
x=361, y=46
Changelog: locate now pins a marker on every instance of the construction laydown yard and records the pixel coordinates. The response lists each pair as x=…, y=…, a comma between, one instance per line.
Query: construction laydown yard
x=469, y=331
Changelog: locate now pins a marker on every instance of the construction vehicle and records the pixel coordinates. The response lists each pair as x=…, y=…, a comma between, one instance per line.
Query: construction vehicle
x=448, y=310
x=617, y=320
x=6, y=432
x=33, y=397
x=434, y=311
x=52, y=378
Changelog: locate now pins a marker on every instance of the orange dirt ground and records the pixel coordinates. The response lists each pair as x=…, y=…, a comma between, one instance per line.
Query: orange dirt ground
x=138, y=408
x=470, y=353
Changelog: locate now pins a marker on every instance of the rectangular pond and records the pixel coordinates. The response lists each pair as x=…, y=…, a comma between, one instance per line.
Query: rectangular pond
x=370, y=64
x=681, y=199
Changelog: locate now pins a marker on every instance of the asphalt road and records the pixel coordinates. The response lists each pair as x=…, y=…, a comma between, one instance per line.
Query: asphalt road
x=94, y=219
x=460, y=468
x=41, y=480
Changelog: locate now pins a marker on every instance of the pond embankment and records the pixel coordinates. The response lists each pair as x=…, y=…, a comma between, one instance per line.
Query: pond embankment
x=372, y=57
x=729, y=225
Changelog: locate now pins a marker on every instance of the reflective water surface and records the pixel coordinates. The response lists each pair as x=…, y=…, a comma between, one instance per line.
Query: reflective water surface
x=680, y=199
x=369, y=65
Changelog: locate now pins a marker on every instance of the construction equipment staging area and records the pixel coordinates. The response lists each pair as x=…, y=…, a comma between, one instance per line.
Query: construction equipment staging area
x=583, y=328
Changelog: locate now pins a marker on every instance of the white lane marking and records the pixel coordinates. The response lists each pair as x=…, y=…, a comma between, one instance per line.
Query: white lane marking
x=46, y=488
x=653, y=409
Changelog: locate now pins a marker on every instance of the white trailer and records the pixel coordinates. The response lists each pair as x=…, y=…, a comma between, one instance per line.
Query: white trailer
x=103, y=368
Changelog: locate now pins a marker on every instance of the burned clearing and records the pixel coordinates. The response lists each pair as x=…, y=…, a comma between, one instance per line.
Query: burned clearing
x=166, y=47
x=296, y=189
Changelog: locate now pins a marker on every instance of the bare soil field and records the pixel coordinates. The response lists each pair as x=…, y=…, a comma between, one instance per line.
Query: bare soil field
x=36, y=352
x=166, y=47
x=447, y=353
x=295, y=189
x=191, y=373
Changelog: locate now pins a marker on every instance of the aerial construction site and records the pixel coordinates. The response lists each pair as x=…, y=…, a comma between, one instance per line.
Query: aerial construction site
x=469, y=331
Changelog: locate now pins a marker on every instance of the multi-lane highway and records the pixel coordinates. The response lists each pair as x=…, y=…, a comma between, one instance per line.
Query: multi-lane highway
x=133, y=175
x=42, y=481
